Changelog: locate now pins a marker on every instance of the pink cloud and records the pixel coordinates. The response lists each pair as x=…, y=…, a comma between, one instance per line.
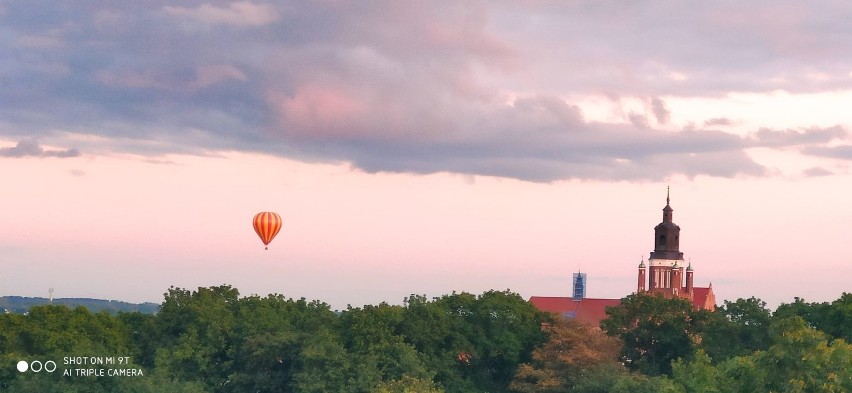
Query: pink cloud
x=318, y=111
x=461, y=32
x=240, y=14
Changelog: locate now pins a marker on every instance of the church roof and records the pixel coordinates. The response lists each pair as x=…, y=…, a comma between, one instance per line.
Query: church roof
x=593, y=311
x=704, y=298
x=667, y=225
x=587, y=310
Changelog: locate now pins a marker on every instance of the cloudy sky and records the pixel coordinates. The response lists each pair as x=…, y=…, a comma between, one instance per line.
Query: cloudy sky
x=423, y=147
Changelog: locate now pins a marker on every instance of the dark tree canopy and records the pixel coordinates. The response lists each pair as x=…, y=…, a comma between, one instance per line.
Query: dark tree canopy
x=214, y=340
x=736, y=329
x=654, y=330
x=834, y=318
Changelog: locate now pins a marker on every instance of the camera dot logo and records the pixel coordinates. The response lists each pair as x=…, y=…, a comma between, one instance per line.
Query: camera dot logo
x=37, y=366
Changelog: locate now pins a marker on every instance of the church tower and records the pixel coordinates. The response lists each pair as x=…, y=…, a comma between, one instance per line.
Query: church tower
x=665, y=266
x=663, y=273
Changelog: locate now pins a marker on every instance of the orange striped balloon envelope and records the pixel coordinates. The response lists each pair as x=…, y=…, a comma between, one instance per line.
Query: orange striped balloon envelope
x=267, y=225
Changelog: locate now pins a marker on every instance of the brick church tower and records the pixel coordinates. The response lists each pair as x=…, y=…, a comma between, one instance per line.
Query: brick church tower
x=665, y=272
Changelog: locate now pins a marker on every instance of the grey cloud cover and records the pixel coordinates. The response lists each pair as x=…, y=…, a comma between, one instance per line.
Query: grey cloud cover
x=767, y=137
x=841, y=151
x=416, y=87
x=31, y=148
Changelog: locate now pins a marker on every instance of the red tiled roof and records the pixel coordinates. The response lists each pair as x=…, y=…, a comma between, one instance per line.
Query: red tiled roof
x=590, y=311
x=704, y=298
x=593, y=311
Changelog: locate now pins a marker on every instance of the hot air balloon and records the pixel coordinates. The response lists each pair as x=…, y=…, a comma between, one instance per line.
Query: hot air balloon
x=267, y=225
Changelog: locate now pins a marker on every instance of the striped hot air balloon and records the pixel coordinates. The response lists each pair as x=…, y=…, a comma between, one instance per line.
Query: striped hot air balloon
x=267, y=225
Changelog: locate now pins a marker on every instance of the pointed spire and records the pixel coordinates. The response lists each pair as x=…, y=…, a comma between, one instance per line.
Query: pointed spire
x=642, y=263
x=689, y=268
x=667, y=211
x=667, y=195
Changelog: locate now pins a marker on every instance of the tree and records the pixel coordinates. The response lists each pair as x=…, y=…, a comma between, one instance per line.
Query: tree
x=408, y=384
x=194, y=334
x=655, y=331
x=574, y=355
x=802, y=359
x=52, y=332
x=492, y=334
x=742, y=375
x=579, y=358
x=736, y=328
x=698, y=375
x=269, y=339
x=834, y=318
x=372, y=335
x=324, y=365
x=838, y=321
x=799, y=359
x=437, y=330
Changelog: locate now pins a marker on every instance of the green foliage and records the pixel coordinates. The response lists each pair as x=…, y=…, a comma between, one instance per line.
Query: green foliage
x=736, y=329
x=195, y=334
x=213, y=340
x=697, y=376
x=802, y=359
x=579, y=358
x=326, y=366
x=482, y=339
x=741, y=375
x=798, y=359
x=372, y=337
x=462, y=342
x=234, y=344
x=834, y=318
x=655, y=331
x=50, y=333
x=408, y=384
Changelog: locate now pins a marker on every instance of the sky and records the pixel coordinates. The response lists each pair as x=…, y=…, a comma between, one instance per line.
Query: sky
x=423, y=147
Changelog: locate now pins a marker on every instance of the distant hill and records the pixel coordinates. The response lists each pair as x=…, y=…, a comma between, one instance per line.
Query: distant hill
x=20, y=304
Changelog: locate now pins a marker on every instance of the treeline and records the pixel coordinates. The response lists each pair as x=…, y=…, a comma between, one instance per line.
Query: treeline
x=213, y=340
x=21, y=304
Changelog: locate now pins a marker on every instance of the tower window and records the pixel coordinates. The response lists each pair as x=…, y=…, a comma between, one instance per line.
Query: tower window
x=662, y=241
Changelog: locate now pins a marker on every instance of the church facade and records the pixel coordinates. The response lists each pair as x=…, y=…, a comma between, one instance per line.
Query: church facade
x=666, y=273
